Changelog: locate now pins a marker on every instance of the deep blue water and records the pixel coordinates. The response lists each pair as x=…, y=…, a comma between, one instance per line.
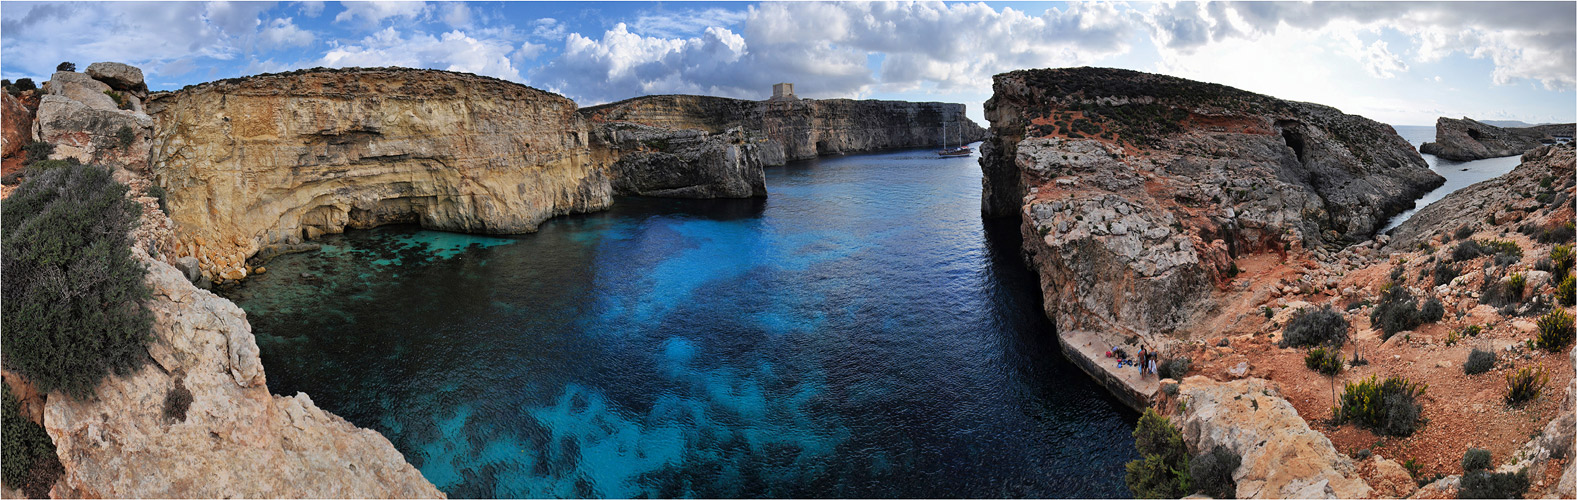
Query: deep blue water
x=859, y=333
x=1458, y=174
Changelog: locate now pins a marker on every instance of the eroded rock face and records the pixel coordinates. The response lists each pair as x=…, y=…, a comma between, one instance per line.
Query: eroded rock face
x=1468, y=139
x=92, y=134
x=1282, y=456
x=276, y=159
x=714, y=147
x=198, y=421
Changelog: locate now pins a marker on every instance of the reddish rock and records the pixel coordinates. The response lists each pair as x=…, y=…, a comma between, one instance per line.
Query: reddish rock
x=17, y=123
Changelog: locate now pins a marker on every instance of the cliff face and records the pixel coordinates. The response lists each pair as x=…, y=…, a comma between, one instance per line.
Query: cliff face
x=272, y=160
x=1467, y=139
x=1137, y=192
x=698, y=146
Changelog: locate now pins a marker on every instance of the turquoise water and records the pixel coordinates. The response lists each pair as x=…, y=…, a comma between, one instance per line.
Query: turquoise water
x=860, y=333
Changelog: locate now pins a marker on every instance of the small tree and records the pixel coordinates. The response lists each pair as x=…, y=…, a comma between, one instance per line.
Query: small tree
x=66, y=66
x=25, y=84
x=1163, y=471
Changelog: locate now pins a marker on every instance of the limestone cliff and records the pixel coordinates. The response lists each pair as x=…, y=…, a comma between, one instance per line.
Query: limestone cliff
x=1137, y=192
x=699, y=146
x=273, y=160
x=1468, y=139
x=197, y=420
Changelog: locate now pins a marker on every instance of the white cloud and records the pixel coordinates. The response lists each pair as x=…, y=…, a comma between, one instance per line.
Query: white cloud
x=451, y=51
x=1380, y=62
x=686, y=23
x=456, y=15
x=373, y=13
x=310, y=8
x=283, y=31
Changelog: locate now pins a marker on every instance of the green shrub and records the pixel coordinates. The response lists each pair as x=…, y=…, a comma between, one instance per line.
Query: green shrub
x=29, y=462
x=1463, y=232
x=1525, y=384
x=1475, y=459
x=1397, y=311
x=1431, y=311
x=125, y=135
x=66, y=66
x=1175, y=368
x=72, y=310
x=1566, y=292
x=1385, y=406
x=37, y=151
x=1506, y=252
x=1445, y=272
x=1315, y=327
x=1555, y=331
x=1211, y=472
x=1478, y=362
x=1466, y=249
x=1561, y=257
x=40, y=167
x=1162, y=472
x=158, y=193
x=25, y=84
x=1269, y=313
x=1327, y=362
x=1486, y=484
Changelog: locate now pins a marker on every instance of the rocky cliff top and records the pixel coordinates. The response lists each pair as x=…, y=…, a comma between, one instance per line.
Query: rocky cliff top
x=1467, y=139
x=389, y=82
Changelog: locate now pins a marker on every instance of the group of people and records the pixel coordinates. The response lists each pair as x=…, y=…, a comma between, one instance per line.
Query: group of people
x=1147, y=361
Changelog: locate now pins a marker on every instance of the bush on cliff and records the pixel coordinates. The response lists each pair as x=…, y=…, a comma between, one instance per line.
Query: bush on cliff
x=1385, y=406
x=1486, y=484
x=1475, y=459
x=29, y=463
x=1525, y=384
x=1163, y=470
x=1397, y=311
x=1478, y=362
x=66, y=66
x=1555, y=331
x=1175, y=368
x=72, y=310
x=1431, y=311
x=1327, y=362
x=1212, y=472
x=1315, y=327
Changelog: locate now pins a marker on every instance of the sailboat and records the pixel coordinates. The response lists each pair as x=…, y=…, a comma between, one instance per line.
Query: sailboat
x=948, y=152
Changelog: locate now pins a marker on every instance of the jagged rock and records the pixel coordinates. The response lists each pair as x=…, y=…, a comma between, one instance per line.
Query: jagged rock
x=1553, y=162
x=1468, y=139
x=119, y=76
x=1445, y=487
x=233, y=440
x=1282, y=456
x=16, y=125
x=272, y=160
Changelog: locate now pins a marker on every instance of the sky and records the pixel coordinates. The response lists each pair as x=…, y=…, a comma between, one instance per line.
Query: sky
x=1402, y=63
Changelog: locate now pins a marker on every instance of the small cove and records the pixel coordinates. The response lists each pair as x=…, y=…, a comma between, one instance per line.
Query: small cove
x=1458, y=174
x=859, y=333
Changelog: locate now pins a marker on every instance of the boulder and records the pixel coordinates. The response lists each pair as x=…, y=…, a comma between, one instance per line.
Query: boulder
x=16, y=125
x=1282, y=456
x=119, y=76
x=1390, y=479
x=92, y=134
x=81, y=88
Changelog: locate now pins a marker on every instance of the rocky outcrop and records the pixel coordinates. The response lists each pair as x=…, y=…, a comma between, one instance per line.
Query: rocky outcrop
x=1546, y=168
x=83, y=122
x=1282, y=456
x=704, y=147
x=1467, y=139
x=198, y=420
x=119, y=76
x=1137, y=192
x=16, y=125
x=273, y=160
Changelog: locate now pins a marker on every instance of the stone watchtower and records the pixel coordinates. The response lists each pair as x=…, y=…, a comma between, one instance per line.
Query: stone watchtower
x=783, y=92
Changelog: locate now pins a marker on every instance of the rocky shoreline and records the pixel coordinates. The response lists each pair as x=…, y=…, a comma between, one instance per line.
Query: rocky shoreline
x=1467, y=139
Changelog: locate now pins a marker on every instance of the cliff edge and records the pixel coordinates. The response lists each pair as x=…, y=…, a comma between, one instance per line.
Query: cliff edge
x=1467, y=139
